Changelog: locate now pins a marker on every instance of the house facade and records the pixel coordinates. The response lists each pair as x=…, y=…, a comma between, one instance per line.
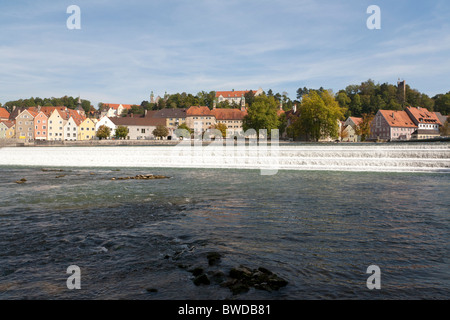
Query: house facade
x=114, y=110
x=3, y=129
x=25, y=125
x=40, y=126
x=392, y=125
x=86, y=130
x=427, y=123
x=235, y=97
x=200, y=118
x=11, y=131
x=105, y=121
x=232, y=118
x=139, y=128
x=56, y=123
x=173, y=118
x=350, y=127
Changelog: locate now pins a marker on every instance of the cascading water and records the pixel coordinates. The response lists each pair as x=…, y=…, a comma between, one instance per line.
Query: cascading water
x=415, y=157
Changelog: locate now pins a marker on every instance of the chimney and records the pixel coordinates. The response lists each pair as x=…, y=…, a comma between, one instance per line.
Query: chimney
x=294, y=108
x=145, y=112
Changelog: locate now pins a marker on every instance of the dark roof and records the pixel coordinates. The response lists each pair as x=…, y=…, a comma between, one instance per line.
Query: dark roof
x=170, y=113
x=425, y=131
x=131, y=121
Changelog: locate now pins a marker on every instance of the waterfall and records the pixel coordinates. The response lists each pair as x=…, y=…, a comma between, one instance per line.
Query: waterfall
x=418, y=157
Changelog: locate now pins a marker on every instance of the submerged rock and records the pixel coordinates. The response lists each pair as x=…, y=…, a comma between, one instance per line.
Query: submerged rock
x=142, y=177
x=243, y=278
x=202, y=279
x=213, y=258
x=23, y=180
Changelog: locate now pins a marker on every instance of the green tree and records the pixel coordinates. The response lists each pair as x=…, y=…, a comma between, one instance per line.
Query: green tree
x=262, y=114
x=319, y=116
x=221, y=127
x=442, y=103
x=122, y=132
x=161, y=131
x=103, y=132
x=185, y=126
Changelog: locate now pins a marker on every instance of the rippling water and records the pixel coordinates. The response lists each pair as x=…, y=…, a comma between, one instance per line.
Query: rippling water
x=319, y=230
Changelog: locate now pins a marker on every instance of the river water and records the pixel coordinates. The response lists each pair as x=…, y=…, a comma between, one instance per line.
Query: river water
x=319, y=230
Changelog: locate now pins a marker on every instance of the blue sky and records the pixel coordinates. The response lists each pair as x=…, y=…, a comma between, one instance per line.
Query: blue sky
x=126, y=49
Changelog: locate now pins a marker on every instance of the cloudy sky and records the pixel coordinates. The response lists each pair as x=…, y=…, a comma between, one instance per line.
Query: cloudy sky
x=126, y=49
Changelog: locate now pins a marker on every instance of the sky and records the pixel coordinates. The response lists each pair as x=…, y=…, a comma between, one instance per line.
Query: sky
x=127, y=49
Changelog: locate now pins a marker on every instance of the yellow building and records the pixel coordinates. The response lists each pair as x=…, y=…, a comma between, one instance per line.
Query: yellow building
x=11, y=131
x=86, y=130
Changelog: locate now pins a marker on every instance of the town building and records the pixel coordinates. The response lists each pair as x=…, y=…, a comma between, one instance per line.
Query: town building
x=113, y=110
x=11, y=131
x=351, y=126
x=86, y=130
x=235, y=97
x=25, y=125
x=105, y=121
x=139, y=128
x=40, y=126
x=200, y=118
x=392, y=125
x=427, y=123
x=173, y=117
x=232, y=118
x=56, y=123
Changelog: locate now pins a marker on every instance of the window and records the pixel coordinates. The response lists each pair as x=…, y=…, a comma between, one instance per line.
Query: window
x=50, y=121
x=74, y=135
x=44, y=127
x=38, y=133
x=143, y=131
x=39, y=121
x=43, y=132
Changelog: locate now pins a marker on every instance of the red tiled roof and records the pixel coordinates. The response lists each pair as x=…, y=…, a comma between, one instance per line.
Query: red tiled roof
x=397, y=118
x=232, y=94
x=229, y=114
x=198, y=111
x=422, y=115
x=356, y=120
x=4, y=113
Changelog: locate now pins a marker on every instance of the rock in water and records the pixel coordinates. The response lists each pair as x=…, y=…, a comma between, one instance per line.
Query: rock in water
x=202, y=279
x=213, y=258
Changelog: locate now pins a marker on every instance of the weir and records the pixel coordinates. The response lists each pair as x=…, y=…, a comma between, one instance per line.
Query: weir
x=385, y=157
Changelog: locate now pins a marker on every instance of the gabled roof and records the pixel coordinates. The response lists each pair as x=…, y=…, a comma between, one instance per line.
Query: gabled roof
x=229, y=114
x=356, y=120
x=8, y=123
x=169, y=113
x=4, y=113
x=397, y=118
x=423, y=116
x=198, y=111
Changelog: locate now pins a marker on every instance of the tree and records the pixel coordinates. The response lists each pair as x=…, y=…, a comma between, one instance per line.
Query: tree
x=343, y=133
x=122, y=132
x=445, y=129
x=161, y=131
x=262, y=114
x=319, y=116
x=442, y=103
x=221, y=127
x=363, y=129
x=185, y=126
x=103, y=132
x=282, y=123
